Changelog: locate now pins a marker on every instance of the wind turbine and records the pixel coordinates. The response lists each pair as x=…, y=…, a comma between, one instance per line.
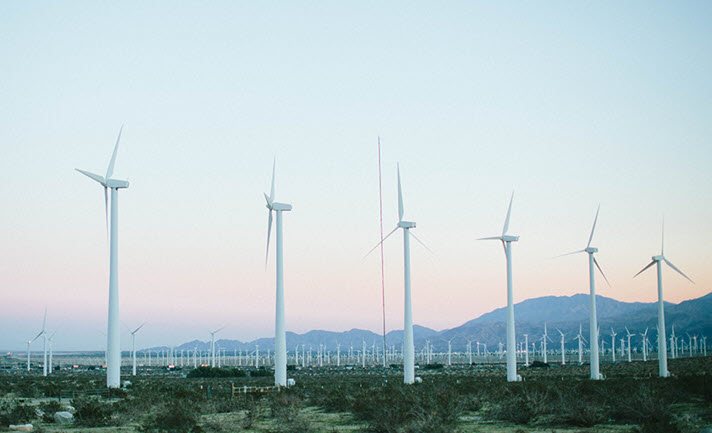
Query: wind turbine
x=43, y=333
x=133, y=348
x=507, y=240
x=595, y=370
x=657, y=260
x=49, y=341
x=563, y=350
x=613, y=344
x=543, y=343
x=113, y=368
x=645, y=345
x=212, y=346
x=629, y=335
x=408, y=347
x=280, y=338
x=581, y=340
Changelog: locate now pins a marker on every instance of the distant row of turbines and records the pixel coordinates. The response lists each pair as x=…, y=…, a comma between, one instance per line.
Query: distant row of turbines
x=369, y=355
x=280, y=355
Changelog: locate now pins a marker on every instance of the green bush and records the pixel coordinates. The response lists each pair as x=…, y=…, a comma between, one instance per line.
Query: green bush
x=90, y=412
x=216, y=372
x=15, y=413
x=261, y=372
x=175, y=417
x=286, y=408
x=49, y=408
x=253, y=413
x=521, y=404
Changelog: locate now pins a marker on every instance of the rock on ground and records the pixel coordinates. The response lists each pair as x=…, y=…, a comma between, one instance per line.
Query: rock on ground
x=63, y=417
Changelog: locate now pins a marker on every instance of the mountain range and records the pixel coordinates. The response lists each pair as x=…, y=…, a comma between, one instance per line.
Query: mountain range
x=560, y=313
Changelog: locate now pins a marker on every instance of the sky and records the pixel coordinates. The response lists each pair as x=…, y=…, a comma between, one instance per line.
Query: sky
x=568, y=104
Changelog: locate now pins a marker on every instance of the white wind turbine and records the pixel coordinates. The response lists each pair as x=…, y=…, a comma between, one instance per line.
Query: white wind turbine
x=581, y=340
x=595, y=368
x=657, y=260
x=629, y=335
x=408, y=346
x=613, y=344
x=113, y=369
x=133, y=349
x=507, y=240
x=29, y=342
x=43, y=333
x=49, y=341
x=543, y=343
x=280, y=334
x=212, y=346
x=645, y=345
x=563, y=350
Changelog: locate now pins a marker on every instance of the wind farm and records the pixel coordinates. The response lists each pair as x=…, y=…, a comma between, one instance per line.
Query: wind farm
x=489, y=125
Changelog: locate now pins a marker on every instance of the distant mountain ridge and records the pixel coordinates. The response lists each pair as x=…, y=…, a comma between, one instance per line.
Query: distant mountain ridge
x=564, y=313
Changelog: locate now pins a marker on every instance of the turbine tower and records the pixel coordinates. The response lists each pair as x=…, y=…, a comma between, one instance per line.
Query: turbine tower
x=563, y=349
x=662, y=348
x=212, y=346
x=133, y=349
x=43, y=333
x=113, y=368
x=507, y=240
x=408, y=347
x=595, y=366
x=280, y=337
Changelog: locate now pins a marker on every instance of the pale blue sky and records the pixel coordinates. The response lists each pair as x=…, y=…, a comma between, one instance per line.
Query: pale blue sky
x=570, y=104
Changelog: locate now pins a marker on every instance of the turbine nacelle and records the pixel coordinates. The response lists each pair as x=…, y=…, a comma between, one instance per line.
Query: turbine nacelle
x=116, y=184
x=280, y=207
x=659, y=258
x=591, y=250
x=509, y=238
x=406, y=224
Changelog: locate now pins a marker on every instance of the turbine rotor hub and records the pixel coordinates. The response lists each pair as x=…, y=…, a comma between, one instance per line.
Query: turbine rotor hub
x=591, y=250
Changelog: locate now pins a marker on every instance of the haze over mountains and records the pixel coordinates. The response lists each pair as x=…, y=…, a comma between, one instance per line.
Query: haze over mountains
x=559, y=312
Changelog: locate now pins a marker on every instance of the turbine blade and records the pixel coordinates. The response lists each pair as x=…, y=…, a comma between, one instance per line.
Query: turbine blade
x=509, y=212
x=677, y=270
x=400, y=198
x=382, y=241
x=595, y=262
x=269, y=200
x=568, y=254
x=93, y=176
x=590, y=238
x=269, y=232
x=644, y=269
x=271, y=190
x=421, y=243
x=491, y=238
x=138, y=328
x=110, y=170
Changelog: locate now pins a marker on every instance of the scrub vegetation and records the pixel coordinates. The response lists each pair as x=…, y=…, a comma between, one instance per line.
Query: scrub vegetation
x=451, y=399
